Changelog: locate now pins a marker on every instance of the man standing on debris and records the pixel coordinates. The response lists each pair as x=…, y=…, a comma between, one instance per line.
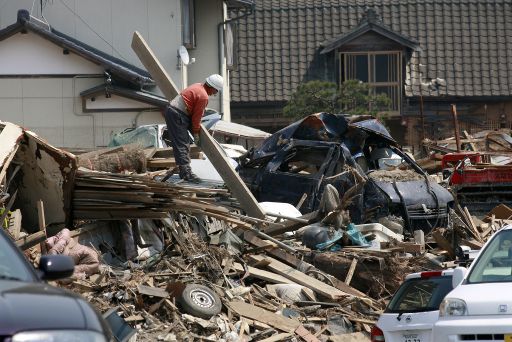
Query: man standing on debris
x=184, y=113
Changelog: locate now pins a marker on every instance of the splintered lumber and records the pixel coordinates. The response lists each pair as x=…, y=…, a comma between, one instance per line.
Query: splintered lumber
x=264, y=275
x=15, y=224
x=443, y=243
x=350, y=272
x=472, y=225
x=153, y=291
x=31, y=240
x=209, y=146
x=305, y=334
x=470, y=138
x=303, y=279
x=466, y=218
x=42, y=223
x=292, y=225
x=38, y=237
x=277, y=337
x=264, y=316
x=295, y=262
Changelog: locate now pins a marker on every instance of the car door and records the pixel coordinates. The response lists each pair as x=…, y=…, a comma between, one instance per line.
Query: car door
x=294, y=171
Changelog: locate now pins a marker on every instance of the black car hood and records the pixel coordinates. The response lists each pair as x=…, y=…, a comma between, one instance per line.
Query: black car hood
x=33, y=306
x=323, y=127
x=416, y=192
x=375, y=127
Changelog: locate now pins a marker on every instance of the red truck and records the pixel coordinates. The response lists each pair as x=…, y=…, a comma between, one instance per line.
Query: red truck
x=476, y=182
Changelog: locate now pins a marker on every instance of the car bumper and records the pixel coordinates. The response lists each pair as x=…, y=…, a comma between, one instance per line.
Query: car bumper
x=490, y=328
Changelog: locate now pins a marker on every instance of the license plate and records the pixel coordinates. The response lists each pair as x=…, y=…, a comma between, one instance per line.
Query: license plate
x=416, y=338
x=508, y=338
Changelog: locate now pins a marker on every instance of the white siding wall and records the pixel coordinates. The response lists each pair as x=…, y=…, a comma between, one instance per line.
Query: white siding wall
x=52, y=107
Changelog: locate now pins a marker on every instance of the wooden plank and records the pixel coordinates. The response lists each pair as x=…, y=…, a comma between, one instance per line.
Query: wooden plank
x=350, y=272
x=152, y=291
x=153, y=66
x=31, y=240
x=42, y=224
x=303, y=279
x=264, y=275
x=305, y=334
x=209, y=146
x=277, y=337
x=443, y=243
x=15, y=227
x=295, y=262
x=470, y=140
x=230, y=176
x=264, y=316
x=472, y=225
x=38, y=237
x=292, y=225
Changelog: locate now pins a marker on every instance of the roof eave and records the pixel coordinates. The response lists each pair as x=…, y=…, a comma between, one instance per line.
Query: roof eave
x=364, y=28
x=141, y=96
x=27, y=22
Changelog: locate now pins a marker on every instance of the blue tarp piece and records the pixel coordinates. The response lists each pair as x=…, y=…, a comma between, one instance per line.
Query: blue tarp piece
x=355, y=236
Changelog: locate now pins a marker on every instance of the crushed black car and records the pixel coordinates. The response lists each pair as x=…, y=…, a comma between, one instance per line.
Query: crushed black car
x=359, y=158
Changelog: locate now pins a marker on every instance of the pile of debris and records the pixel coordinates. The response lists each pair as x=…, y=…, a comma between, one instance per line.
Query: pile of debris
x=478, y=168
x=175, y=261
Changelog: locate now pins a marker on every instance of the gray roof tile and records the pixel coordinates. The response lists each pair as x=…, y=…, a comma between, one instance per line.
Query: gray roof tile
x=466, y=42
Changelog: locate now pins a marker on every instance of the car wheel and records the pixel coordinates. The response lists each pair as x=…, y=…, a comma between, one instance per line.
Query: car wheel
x=200, y=301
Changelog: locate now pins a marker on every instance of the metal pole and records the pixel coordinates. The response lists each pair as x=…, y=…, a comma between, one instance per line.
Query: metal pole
x=456, y=126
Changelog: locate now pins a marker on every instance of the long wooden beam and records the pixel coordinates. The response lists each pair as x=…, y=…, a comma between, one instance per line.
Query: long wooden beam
x=152, y=64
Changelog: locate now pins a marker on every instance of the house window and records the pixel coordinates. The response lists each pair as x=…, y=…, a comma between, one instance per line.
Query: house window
x=381, y=70
x=188, y=25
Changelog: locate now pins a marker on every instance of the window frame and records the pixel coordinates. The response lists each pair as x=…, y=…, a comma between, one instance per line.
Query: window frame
x=372, y=84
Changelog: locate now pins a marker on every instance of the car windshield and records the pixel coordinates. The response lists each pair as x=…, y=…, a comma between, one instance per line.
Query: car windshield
x=12, y=265
x=495, y=262
x=420, y=294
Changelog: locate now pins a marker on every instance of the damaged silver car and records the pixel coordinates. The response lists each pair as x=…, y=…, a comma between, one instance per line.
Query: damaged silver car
x=377, y=181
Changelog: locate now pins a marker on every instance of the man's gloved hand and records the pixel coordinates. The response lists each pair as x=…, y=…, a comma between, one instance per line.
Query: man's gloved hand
x=197, y=140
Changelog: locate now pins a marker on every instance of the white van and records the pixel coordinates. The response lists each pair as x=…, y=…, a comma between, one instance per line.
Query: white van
x=413, y=310
x=480, y=308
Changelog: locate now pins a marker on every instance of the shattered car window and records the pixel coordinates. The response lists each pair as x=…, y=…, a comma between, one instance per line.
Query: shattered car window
x=304, y=161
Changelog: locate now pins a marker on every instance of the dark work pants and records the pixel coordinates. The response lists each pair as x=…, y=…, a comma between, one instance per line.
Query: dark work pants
x=178, y=123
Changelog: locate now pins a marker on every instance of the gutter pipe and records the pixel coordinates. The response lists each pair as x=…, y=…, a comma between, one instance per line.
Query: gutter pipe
x=220, y=30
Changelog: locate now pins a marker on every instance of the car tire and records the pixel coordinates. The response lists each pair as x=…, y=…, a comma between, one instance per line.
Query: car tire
x=200, y=301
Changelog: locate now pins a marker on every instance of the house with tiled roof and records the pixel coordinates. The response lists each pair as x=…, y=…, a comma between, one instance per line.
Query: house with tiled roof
x=68, y=72
x=424, y=54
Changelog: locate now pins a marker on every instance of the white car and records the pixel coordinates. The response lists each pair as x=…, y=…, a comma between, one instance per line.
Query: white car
x=480, y=308
x=413, y=310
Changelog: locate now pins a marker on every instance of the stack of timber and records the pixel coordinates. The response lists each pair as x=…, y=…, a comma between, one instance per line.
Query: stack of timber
x=104, y=196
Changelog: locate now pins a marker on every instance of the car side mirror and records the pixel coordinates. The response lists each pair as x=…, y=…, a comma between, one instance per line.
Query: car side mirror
x=56, y=267
x=458, y=276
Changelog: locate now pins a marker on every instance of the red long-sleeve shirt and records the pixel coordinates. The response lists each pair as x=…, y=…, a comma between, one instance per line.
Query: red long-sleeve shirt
x=196, y=100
